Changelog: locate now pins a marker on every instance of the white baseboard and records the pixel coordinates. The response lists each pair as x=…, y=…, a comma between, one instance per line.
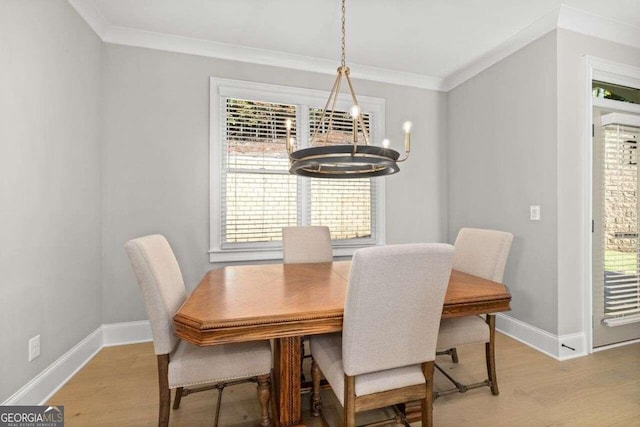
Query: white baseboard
x=560, y=347
x=126, y=333
x=51, y=379
x=47, y=382
x=572, y=346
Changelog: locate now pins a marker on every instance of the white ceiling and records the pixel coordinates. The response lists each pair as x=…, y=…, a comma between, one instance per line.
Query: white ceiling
x=428, y=38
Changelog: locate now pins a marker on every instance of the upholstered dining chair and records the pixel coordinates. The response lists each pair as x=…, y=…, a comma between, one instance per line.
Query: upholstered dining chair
x=181, y=364
x=306, y=244
x=482, y=253
x=385, y=353
x=302, y=244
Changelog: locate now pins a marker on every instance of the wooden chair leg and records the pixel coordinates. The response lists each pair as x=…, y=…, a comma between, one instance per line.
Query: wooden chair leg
x=427, y=402
x=264, y=397
x=491, y=355
x=316, y=400
x=178, y=398
x=165, y=392
x=349, y=401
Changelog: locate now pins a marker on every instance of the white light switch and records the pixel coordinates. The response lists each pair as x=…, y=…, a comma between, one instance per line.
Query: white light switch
x=534, y=213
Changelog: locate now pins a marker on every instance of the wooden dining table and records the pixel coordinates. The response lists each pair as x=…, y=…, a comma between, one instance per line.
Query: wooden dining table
x=284, y=302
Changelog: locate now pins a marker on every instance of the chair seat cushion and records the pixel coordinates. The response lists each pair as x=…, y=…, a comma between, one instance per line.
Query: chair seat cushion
x=461, y=331
x=327, y=352
x=191, y=365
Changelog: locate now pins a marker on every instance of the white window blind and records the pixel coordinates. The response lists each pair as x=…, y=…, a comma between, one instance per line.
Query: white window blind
x=341, y=124
x=620, y=228
x=253, y=195
x=259, y=195
x=345, y=206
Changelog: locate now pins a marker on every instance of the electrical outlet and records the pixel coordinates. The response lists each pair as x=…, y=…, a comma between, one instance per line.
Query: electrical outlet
x=34, y=347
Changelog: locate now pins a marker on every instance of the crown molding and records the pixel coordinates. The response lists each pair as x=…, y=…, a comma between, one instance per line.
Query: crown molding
x=516, y=42
x=131, y=37
x=563, y=17
x=589, y=24
x=90, y=13
x=171, y=43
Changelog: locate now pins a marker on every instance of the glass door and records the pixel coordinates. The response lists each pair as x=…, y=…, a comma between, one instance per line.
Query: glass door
x=616, y=247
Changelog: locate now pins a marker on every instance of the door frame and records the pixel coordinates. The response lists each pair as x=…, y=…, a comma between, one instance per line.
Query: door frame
x=610, y=72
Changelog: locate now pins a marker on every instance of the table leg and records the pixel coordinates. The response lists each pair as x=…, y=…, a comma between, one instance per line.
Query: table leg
x=287, y=381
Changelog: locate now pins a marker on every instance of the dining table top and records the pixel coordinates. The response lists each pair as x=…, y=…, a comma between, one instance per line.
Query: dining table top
x=252, y=302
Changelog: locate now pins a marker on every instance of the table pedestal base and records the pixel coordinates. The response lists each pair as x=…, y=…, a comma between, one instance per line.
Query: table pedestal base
x=413, y=411
x=287, y=382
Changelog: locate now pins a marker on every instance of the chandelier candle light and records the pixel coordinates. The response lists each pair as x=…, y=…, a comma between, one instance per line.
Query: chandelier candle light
x=344, y=160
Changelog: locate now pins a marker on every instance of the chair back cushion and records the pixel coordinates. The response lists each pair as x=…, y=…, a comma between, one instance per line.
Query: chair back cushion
x=393, y=306
x=306, y=244
x=162, y=287
x=482, y=253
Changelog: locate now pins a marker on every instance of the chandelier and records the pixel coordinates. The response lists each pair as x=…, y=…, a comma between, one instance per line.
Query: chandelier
x=323, y=159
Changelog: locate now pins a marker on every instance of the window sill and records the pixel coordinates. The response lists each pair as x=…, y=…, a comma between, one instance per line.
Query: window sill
x=240, y=255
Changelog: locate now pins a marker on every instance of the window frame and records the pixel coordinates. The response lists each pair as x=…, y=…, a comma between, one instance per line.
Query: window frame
x=221, y=88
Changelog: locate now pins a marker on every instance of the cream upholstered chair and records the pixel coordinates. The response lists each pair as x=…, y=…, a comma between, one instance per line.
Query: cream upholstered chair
x=385, y=353
x=181, y=364
x=302, y=244
x=306, y=244
x=482, y=253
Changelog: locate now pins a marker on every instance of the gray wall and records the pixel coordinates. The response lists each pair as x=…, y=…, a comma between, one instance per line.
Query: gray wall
x=502, y=159
x=573, y=176
x=49, y=185
x=156, y=159
x=73, y=191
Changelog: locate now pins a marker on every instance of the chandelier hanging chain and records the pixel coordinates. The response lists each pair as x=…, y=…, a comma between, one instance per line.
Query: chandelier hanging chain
x=336, y=87
x=343, y=160
x=344, y=44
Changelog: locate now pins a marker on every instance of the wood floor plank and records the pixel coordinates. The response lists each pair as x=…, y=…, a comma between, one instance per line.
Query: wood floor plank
x=119, y=387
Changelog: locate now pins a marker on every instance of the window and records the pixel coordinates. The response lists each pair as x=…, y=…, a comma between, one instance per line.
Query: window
x=620, y=295
x=252, y=193
x=615, y=92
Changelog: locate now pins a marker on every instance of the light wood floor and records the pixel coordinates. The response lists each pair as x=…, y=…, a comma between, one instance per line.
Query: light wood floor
x=119, y=388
